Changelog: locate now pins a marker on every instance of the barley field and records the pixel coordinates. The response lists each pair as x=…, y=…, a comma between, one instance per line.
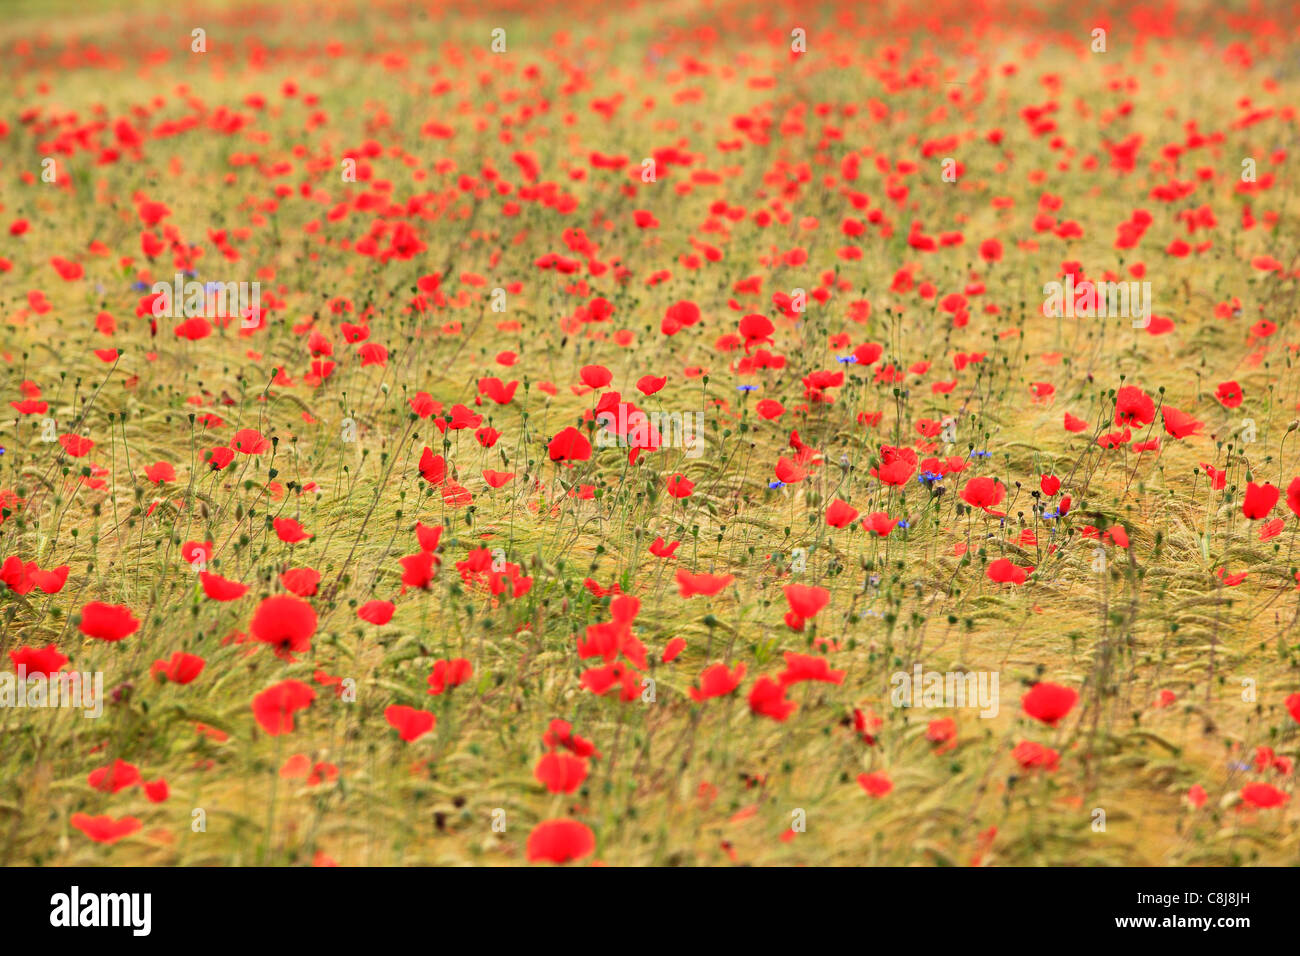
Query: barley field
x=685, y=433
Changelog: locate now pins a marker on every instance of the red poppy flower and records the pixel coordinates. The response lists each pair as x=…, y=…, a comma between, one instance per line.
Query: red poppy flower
x=679, y=486
x=152, y=213
x=156, y=791
x=418, y=570
x=1180, y=424
x=1293, y=496
x=789, y=472
x=1263, y=796
x=181, y=668
x=424, y=405
x=595, y=376
x=286, y=623
x=1034, y=756
x=410, y=724
x=942, y=733
x=449, y=673
x=249, y=441
x=221, y=589
x=290, y=531
x=840, y=514
x=756, y=330
x=219, y=457
x=118, y=776
x=51, y=581
x=983, y=492
x=709, y=585
x=16, y=575
x=717, y=681
x=76, y=445
x=560, y=734
x=377, y=612
x=1292, y=705
x=1134, y=407
x=1229, y=394
x=649, y=384
x=193, y=329
x=877, y=784
x=108, y=622
x=160, y=473
x=808, y=667
x=496, y=390
x=662, y=549
x=568, y=446
x=768, y=698
x=1004, y=572
x=806, y=601
x=104, y=829
x=197, y=552
x=560, y=773
x=427, y=536
x=560, y=841
x=274, y=707
x=897, y=465
x=1049, y=702
x=30, y=406
x=301, y=581
x=47, y=662
x=1259, y=500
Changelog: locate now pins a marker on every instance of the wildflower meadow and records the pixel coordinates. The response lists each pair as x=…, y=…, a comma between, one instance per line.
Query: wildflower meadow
x=649, y=434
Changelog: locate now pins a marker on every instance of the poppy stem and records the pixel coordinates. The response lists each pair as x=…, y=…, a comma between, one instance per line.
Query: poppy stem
x=270, y=810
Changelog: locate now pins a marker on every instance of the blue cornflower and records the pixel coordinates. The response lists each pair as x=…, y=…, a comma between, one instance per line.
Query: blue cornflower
x=902, y=523
x=746, y=388
x=981, y=454
x=847, y=359
x=776, y=484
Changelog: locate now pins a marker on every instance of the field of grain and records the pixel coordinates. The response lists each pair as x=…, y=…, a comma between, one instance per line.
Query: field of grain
x=607, y=411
